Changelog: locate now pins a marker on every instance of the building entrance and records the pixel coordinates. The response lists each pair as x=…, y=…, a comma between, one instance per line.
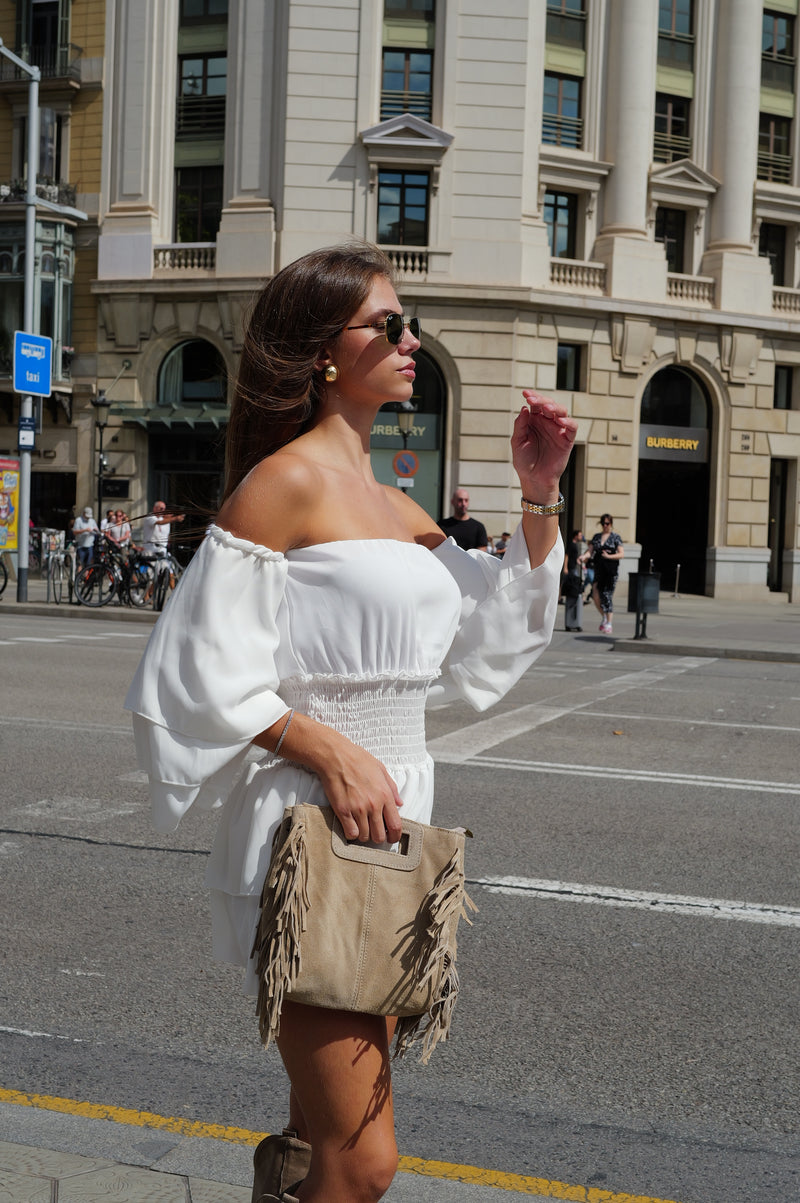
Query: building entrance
x=674, y=479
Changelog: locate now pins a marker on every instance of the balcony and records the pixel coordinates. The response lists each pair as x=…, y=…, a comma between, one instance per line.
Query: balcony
x=54, y=62
x=676, y=50
x=558, y=130
x=409, y=262
x=786, y=300
x=395, y=103
x=774, y=167
x=777, y=71
x=182, y=259
x=578, y=275
x=199, y=117
x=690, y=290
x=566, y=29
x=59, y=193
x=668, y=148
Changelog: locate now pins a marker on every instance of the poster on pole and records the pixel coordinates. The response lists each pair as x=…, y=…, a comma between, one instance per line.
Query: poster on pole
x=9, y=504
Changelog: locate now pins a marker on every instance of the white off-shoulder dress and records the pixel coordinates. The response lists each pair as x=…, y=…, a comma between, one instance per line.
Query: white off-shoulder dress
x=358, y=634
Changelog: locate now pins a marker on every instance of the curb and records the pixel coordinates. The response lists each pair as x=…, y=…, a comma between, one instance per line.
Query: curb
x=651, y=646
x=71, y=610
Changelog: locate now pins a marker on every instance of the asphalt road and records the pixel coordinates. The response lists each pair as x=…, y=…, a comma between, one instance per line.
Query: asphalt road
x=624, y=1024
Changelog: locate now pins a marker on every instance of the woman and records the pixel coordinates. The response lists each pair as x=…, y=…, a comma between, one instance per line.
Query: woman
x=316, y=616
x=607, y=551
x=573, y=582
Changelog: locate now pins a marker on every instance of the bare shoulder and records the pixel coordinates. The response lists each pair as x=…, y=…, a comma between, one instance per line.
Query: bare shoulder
x=417, y=522
x=274, y=503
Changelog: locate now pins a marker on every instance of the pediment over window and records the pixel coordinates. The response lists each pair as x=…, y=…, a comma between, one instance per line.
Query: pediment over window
x=407, y=131
x=406, y=141
x=682, y=183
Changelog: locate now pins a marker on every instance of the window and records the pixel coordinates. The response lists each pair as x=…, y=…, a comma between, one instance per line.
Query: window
x=198, y=207
x=55, y=257
x=193, y=373
x=419, y=10
x=675, y=34
x=562, y=124
x=201, y=98
x=203, y=12
x=566, y=23
x=560, y=215
x=403, y=208
x=774, y=142
x=777, y=51
x=772, y=245
x=406, y=84
x=671, y=231
x=569, y=360
x=782, y=396
x=671, y=140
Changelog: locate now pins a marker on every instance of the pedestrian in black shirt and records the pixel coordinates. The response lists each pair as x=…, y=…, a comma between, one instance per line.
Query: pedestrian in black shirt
x=467, y=532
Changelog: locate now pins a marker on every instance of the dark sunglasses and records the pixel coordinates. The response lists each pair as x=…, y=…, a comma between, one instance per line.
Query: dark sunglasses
x=393, y=326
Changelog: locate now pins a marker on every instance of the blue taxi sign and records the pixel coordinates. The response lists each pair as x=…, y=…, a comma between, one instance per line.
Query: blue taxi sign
x=33, y=358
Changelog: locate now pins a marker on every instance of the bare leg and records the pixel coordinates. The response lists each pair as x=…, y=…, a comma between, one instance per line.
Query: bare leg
x=338, y=1065
x=596, y=598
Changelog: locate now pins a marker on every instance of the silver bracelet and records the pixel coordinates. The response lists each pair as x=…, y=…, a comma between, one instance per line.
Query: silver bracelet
x=283, y=733
x=558, y=507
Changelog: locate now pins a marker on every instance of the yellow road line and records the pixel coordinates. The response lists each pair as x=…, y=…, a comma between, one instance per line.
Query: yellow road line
x=469, y=1174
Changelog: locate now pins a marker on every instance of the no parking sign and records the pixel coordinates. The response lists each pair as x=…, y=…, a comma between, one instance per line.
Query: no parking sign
x=405, y=465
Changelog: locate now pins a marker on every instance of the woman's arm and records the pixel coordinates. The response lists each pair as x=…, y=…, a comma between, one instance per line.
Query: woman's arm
x=540, y=445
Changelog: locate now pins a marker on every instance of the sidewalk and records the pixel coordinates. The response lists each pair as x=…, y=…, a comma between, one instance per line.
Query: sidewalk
x=684, y=626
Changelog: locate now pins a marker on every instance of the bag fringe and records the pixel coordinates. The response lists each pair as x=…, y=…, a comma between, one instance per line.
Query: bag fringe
x=435, y=960
x=284, y=908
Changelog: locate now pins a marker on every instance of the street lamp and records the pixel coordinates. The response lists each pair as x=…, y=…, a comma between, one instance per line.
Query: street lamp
x=102, y=409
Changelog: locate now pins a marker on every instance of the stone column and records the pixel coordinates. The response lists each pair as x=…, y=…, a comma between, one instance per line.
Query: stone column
x=535, y=257
x=636, y=266
x=744, y=281
x=246, y=238
x=138, y=135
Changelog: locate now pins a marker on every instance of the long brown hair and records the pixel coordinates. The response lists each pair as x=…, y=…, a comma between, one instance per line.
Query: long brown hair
x=298, y=312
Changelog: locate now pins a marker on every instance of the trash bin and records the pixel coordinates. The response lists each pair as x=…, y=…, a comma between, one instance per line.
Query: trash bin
x=643, y=591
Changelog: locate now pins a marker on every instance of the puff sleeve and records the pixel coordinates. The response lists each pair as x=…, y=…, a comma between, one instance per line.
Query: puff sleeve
x=207, y=682
x=508, y=611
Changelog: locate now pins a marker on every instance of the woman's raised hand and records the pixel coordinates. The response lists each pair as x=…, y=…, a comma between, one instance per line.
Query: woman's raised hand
x=540, y=444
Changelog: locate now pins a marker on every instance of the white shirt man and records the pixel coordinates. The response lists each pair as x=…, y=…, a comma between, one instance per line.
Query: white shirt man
x=156, y=528
x=84, y=529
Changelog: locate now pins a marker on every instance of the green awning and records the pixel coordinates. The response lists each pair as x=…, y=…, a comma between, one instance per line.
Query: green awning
x=203, y=414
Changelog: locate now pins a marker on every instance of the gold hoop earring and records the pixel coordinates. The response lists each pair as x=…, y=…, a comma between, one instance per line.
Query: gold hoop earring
x=331, y=373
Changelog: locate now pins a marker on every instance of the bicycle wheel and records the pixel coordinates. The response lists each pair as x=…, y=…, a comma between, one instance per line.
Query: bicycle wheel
x=140, y=583
x=69, y=576
x=57, y=580
x=95, y=585
x=3, y=575
x=161, y=587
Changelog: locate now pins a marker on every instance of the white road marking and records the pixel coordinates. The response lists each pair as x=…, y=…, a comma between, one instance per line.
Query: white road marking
x=138, y=777
x=675, y=904
x=53, y=724
x=467, y=742
x=42, y=1035
x=621, y=774
x=690, y=722
x=80, y=973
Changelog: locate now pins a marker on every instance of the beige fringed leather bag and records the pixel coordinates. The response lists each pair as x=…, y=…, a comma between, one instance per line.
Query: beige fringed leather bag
x=359, y=928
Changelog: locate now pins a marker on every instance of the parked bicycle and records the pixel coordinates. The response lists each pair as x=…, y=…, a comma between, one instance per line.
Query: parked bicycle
x=61, y=574
x=112, y=575
x=167, y=572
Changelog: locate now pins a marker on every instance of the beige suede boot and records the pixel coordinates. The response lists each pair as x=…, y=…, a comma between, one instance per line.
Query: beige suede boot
x=281, y=1163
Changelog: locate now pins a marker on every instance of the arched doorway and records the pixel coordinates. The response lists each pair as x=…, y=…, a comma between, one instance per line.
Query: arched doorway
x=424, y=440
x=187, y=430
x=674, y=479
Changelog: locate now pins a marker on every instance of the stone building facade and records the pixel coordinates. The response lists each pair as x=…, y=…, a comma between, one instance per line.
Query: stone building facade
x=596, y=198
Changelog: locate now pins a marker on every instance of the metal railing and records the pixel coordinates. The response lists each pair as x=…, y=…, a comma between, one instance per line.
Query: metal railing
x=394, y=103
x=777, y=71
x=54, y=62
x=696, y=290
x=200, y=117
x=562, y=131
x=667, y=148
x=578, y=274
x=186, y=257
x=676, y=50
x=58, y=192
x=774, y=167
x=408, y=261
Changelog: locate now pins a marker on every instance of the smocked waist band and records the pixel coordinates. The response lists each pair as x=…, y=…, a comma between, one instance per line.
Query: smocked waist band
x=387, y=717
